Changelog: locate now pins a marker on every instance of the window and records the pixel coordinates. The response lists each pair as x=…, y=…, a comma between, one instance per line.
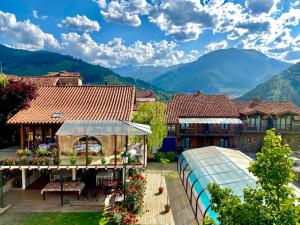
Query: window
x=224, y=126
x=94, y=146
x=253, y=122
x=284, y=122
x=184, y=126
x=224, y=142
x=185, y=142
x=171, y=130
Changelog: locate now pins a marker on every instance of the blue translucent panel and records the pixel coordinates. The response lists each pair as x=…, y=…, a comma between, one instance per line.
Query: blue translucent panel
x=180, y=158
x=213, y=215
x=204, y=200
x=198, y=188
x=192, y=178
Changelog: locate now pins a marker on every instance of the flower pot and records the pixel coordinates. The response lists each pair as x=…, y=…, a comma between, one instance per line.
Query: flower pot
x=160, y=190
x=167, y=208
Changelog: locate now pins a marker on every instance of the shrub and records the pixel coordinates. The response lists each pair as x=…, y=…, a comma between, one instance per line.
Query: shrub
x=135, y=194
x=158, y=156
x=121, y=216
x=171, y=156
x=42, y=152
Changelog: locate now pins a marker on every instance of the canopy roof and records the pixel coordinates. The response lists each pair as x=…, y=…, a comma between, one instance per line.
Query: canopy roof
x=226, y=167
x=101, y=128
x=210, y=120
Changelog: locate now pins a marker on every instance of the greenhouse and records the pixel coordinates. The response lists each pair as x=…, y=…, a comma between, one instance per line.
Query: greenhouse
x=201, y=166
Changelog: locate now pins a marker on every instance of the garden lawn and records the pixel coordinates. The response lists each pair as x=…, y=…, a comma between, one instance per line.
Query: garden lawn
x=51, y=218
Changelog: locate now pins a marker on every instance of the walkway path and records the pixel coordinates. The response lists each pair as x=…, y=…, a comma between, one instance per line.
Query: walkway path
x=181, y=212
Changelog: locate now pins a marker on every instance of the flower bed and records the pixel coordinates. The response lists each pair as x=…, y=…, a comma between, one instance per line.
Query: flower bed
x=133, y=206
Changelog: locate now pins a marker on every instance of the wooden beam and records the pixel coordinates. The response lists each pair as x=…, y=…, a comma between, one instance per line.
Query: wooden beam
x=115, y=153
x=22, y=137
x=86, y=150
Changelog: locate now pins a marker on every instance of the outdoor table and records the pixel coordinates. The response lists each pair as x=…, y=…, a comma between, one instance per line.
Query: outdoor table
x=53, y=187
x=104, y=175
x=110, y=183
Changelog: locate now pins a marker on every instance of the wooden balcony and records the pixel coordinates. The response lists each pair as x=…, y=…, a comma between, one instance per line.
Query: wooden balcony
x=209, y=132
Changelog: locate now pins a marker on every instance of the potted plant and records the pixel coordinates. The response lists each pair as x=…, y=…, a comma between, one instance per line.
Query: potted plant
x=73, y=160
x=89, y=160
x=103, y=161
x=163, y=162
x=23, y=160
x=170, y=177
x=22, y=152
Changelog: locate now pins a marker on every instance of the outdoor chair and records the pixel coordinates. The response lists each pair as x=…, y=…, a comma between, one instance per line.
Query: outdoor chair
x=85, y=193
x=94, y=193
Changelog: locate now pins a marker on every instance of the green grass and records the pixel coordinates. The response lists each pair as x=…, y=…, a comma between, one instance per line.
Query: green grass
x=51, y=218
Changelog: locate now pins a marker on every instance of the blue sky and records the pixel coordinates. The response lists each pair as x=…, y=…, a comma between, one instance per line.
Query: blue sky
x=116, y=33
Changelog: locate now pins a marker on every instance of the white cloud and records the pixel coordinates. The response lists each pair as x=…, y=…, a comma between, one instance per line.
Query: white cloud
x=185, y=20
x=24, y=34
x=115, y=53
x=37, y=16
x=216, y=45
x=80, y=23
x=126, y=12
x=101, y=3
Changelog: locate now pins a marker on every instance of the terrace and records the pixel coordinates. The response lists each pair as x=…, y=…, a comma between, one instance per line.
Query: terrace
x=85, y=144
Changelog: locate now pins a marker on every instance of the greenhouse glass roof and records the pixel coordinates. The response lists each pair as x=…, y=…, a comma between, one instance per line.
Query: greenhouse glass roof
x=226, y=167
x=101, y=128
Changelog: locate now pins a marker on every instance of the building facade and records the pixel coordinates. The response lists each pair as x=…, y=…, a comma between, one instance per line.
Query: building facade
x=259, y=116
x=199, y=120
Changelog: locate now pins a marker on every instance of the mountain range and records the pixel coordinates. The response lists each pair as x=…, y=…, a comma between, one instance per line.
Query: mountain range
x=283, y=86
x=146, y=73
x=228, y=71
x=36, y=63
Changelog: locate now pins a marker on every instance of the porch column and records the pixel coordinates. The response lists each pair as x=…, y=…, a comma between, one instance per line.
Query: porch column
x=1, y=189
x=23, y=179
x=74, y=174
x=145, y=151
x=61, y=187
x=22, y=137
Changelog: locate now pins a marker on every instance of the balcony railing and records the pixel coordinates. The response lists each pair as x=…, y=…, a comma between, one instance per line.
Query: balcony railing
x=208, y=132
x=287, y=129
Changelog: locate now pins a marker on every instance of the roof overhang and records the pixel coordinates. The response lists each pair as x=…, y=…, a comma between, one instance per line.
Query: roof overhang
x=210, y=120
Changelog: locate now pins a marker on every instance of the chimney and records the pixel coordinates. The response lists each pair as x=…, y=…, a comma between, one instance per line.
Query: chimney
x=106, y=83
x=198, y=93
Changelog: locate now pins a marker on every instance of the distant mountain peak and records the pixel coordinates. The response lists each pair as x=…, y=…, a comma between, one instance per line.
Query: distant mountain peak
x=230, y=71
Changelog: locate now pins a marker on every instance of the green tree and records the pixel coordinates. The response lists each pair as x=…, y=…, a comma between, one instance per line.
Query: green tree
x=273, y=202
x=153, y=114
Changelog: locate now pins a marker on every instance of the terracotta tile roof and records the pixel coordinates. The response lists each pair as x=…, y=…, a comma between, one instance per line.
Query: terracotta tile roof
x=78, y=102
x=144, y=93
x=199, y=105
x=63, y=74
x=267, y=107
x=39, y=81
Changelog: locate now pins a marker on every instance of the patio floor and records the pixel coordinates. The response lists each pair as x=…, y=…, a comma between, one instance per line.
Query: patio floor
x=181, y=212
x=31, y=200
